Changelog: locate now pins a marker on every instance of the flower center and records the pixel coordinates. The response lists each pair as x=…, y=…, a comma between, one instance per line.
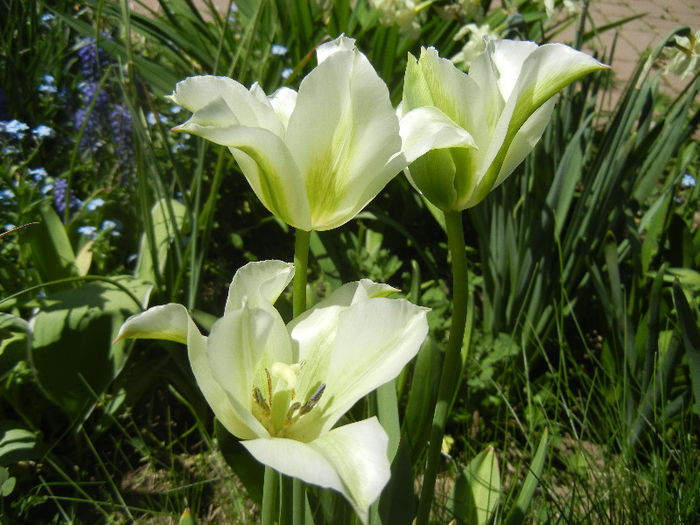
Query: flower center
x=276, y=408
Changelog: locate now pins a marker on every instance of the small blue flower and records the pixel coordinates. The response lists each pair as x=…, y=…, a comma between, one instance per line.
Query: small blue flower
x=9, y=227
x=46, y=189
x=43, y=132
x=38, y=174
x=47, y=89
x=688, y=181
x=6, y=195
x=108, y=225
x=48, y=85
x=47, y=19
x=94, y=204
x=286, y=72
x=16, y=128
x=278, y=50
x=88, y=231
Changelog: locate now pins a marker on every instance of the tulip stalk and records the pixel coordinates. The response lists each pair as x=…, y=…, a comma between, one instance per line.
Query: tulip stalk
x=451, y=364
x=301, y=263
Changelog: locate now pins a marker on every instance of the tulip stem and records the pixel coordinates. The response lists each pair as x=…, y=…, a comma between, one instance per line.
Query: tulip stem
x=451, y=365
x=301, y=263
x=269, y=502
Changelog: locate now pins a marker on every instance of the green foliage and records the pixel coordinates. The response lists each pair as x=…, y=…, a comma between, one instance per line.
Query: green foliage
x=583, y=272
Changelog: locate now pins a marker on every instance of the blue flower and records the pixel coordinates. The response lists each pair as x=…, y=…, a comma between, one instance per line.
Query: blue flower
x=278, y=50
x=42, y=132
x=47, y=89
x=108, y=225
x=15, y=127
x=120, y=120
x=6, y=195
x=60, y=198
x=688, y=181
x=47, y=19
x=9, y=227
x=38, y=174
x=286, y=72
x=94, y=204
x=88, y=231
x=48, y=85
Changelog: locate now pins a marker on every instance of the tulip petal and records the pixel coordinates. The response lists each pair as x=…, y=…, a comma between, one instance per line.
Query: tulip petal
x=283, y=101
x=168, y=322
x=172, y=322
x=268, y=166
x=196, y=93
x=373, y=341
x=348, y=149
x=427, y=128
x=258, y=284
x=351, y=459
x=232, y=414
x=241, y=345
x=545, y=71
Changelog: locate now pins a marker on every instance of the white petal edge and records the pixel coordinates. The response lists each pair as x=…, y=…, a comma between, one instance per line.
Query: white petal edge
x=351, y=459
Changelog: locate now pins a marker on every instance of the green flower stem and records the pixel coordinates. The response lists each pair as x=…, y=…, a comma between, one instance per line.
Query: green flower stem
x=451, y=365
x=301, y=262
x=269, y=502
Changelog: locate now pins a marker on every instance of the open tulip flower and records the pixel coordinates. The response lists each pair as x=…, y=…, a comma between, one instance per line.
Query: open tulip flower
x=465, y=134
x=314, y=158
x=282, y=389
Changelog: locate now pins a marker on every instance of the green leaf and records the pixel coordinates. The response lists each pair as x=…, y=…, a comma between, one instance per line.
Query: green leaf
x=51, y=251
x=17, y=443
x=421, y=399
x=7, y=483
x=688, y=321
x=476, y=490
x=527, y=491
x=186, y=518
x=167, y=218
x=71, y=346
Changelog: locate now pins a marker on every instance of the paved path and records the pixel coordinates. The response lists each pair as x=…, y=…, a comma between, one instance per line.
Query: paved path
x=660, y=18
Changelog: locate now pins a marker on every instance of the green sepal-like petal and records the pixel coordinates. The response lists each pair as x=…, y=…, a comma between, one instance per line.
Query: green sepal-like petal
x=351, y=459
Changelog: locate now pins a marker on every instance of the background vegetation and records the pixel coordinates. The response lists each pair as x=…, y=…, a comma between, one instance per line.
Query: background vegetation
x=583, y=371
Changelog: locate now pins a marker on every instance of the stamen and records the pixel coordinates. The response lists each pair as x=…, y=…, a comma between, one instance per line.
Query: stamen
x=260, y=400
x=269, y=385
x=313, y=400
x=290, y=414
